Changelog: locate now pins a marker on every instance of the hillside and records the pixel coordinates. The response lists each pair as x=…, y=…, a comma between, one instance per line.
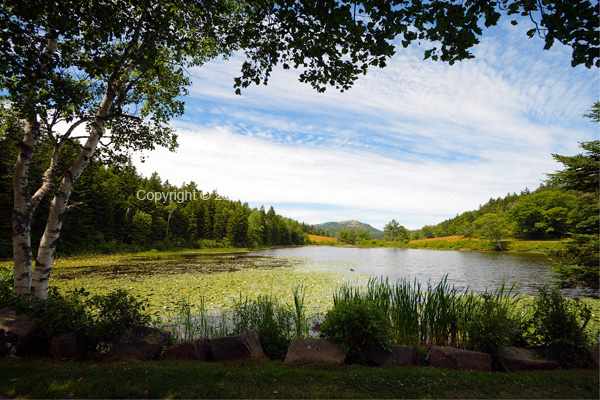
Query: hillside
x=334, y=227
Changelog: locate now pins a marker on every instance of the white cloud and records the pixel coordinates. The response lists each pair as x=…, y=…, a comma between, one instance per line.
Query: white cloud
x=400, y=144
x=259, y=171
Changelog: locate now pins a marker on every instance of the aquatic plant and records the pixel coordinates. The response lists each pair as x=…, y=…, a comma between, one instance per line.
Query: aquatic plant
x=191, y=321
x=440, y=314
x=273, y=321
x=301, y=322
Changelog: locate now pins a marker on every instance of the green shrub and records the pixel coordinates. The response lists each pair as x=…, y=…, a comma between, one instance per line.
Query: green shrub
x=273, y=321
x=209, y=244
x=64, y=313
x=557, y=327
x=492, y=325
x=356, y=323
x=6, y=286
x=111, y=247
x=98, y=319
x=113, y=311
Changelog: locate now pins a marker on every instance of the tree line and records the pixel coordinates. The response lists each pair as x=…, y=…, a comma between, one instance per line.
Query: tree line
x=560, y=208
x=120, y=70
x=116, y=209
x=565, y=206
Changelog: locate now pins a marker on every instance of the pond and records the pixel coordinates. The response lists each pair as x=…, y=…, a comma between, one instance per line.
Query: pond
x=216, y=280
x=473, y=269
x=220, y=279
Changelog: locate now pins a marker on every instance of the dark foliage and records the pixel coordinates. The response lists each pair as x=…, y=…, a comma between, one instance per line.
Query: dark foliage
x=558, y=326
x=355, y=324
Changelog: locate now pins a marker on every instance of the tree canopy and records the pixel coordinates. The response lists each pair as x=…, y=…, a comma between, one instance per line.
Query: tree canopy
x=394, y=231
x=580, y=171
x=107, y=75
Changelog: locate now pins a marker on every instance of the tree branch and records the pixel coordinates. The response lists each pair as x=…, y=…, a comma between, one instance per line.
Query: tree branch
x=79, y=203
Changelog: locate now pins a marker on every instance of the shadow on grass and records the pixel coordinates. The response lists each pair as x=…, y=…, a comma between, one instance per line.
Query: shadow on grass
x=34, y=378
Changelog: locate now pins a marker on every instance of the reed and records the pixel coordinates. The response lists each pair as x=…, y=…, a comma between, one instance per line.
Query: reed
x=301, y=323
x=194, y=321
x=439, y=325
x=273, y=321
x=405, y=312
x=438, y=315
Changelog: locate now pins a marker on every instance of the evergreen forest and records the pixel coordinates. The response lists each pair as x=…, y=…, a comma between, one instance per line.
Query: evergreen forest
x=114, y=209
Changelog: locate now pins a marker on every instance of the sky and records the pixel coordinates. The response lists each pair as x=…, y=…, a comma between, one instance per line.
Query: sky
x=417, y=141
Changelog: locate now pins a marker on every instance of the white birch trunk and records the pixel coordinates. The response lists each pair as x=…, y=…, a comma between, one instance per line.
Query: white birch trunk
x=60, y=203
x=23, y=205
x=23, y=210
x=58, y=210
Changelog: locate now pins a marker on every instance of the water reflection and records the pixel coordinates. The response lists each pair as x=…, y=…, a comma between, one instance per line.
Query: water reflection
x=475, y=270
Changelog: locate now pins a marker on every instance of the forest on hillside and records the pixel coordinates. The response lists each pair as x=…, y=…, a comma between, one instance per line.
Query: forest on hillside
x=563, y=206
x=115, y=209
x=545, y=213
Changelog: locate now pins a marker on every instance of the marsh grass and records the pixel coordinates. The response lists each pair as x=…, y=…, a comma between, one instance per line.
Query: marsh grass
x=192, y=321
x=420, y=316
x=276, y=322
x=301, y=321
x=438, y=314
x=273, y=321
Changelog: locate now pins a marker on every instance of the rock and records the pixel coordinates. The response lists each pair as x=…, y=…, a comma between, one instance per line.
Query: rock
x=518, y=359
x=245, y=345
x=195, y=350
x=449, y=357
x=68, y=346
x=396, y=355
x=18, y=334
x=140, y=342
x=314, y=350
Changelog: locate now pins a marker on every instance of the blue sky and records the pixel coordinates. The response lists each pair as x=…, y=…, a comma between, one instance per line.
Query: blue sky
x=418, y=141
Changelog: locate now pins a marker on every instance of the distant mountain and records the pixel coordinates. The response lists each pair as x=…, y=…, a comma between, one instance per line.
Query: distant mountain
x=334, y=227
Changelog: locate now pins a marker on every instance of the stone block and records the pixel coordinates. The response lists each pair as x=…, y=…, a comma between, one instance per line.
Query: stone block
x=303, y=351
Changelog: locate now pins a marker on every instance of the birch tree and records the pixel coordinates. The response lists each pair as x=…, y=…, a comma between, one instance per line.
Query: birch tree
x=115, y=69
x=108, y=75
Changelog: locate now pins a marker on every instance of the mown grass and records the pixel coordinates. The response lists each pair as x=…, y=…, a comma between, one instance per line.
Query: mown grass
x=322, y=239
x=461, y=243
x=458, y=243
x=30, y=378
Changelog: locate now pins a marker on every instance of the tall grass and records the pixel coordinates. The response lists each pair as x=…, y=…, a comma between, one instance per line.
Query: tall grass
x=300, y=319
x=194, y=321
x=273, y=321
x=432, y=314
x=276, y=322
x=439, y=326
x=436, y=315
x=405, y=312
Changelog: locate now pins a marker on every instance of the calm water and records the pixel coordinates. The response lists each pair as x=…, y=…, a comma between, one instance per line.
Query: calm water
x=475, y=270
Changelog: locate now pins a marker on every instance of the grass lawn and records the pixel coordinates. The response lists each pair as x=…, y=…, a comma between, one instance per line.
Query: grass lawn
x=322, y=239
x=462, y=243
x=33, y=378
